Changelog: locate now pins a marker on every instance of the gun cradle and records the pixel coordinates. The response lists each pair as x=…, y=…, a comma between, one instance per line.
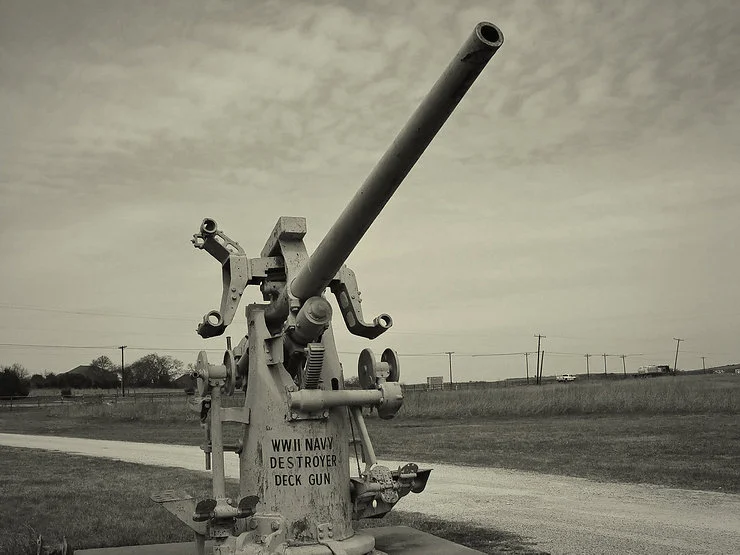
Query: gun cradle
x=269, y=272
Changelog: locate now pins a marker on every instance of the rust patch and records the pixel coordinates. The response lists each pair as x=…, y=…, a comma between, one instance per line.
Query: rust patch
x=300, y=529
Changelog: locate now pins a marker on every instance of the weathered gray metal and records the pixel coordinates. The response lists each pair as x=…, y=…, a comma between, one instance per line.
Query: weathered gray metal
x=299, y=423
x=408, y=146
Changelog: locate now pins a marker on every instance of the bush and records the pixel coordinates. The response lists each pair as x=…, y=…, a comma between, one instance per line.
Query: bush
x=13, y=381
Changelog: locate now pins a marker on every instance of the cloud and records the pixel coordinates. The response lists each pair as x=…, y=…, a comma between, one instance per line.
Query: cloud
x=600, y=139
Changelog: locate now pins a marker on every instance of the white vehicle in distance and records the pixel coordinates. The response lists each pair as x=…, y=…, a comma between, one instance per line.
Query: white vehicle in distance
x=566, y=378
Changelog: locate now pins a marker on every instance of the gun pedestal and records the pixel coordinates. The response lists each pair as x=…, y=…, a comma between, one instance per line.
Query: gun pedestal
x=296, y=495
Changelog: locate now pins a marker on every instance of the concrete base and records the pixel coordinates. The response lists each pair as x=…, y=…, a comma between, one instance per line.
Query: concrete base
x=394, y=540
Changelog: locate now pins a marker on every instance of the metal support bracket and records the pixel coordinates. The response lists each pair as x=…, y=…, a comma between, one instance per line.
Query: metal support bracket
x=274, y=350
x=344, y=287
x=182, y=506
x=235, y=274
x=235, y=414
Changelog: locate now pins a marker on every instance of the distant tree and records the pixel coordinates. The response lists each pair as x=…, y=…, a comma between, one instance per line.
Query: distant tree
x=18, y=369
x=352, y=383
x=105, y=375
x=37, y=381
x=103, y=363
x=153, y=370
x=14, y=381
x=51, y=380
x=75, y=381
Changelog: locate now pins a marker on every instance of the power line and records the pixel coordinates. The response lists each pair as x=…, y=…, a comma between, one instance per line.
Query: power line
x=474, y=355
x=40, y=346
x=93, y=312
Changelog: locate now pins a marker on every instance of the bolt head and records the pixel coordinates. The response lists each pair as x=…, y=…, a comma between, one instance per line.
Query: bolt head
x=275, y=525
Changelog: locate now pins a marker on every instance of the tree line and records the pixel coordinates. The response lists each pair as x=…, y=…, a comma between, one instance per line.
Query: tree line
x=151, y=370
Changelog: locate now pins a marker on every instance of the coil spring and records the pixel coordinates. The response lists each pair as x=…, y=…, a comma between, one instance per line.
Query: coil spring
x=314, y=364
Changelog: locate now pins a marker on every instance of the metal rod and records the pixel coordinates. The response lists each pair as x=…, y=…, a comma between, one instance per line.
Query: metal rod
x=392, y=168
x=317, y=399
x=217, y=445
x=367, y=446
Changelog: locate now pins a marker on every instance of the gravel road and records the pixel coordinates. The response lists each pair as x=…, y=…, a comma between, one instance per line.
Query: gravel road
x=561, y=514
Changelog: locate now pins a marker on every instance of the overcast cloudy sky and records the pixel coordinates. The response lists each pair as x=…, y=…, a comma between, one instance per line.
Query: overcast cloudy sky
x=586, y=188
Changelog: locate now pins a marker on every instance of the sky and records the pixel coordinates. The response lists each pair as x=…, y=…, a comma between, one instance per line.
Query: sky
x=585, y=188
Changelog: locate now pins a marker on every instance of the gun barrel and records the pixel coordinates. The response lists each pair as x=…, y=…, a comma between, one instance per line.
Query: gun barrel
x=393, y=167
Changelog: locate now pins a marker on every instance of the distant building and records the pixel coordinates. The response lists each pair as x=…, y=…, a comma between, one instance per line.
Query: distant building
x=435, y=382
x=186, y=382
x=96, y=376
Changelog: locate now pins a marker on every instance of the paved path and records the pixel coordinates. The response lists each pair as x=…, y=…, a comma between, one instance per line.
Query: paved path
x=562, y=514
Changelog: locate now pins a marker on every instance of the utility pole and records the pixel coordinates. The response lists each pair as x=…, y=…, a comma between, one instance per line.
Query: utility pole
x=624, y=368
x=604, y=364
x=703, y=365
x=542, y=363
x=675, y=363
x=526, y=361
x=449, y=356
x=588, y=371
x=123, y=372
x=539, y=339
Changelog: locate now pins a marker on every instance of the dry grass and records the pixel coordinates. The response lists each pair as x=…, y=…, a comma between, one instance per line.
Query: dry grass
x=689, y=451
x=133, y=391
x=709, y=394
x=100, y=503
x=93, y=502
x=696, y=394
x=675, y=431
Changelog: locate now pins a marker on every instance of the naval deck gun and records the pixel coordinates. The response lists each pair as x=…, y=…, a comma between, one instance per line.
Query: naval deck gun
x=297, y=496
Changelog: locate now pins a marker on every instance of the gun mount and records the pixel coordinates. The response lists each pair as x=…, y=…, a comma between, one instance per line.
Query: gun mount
x=300, y=424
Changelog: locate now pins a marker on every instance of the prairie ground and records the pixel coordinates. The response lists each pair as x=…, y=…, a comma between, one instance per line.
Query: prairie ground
x=680, y=431
x=100, y=503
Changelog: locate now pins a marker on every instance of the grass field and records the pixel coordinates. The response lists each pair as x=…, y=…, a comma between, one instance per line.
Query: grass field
x=679, y=431
x=132, y=391
x=101, y=503
x=691, y=394
x=676, y=431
